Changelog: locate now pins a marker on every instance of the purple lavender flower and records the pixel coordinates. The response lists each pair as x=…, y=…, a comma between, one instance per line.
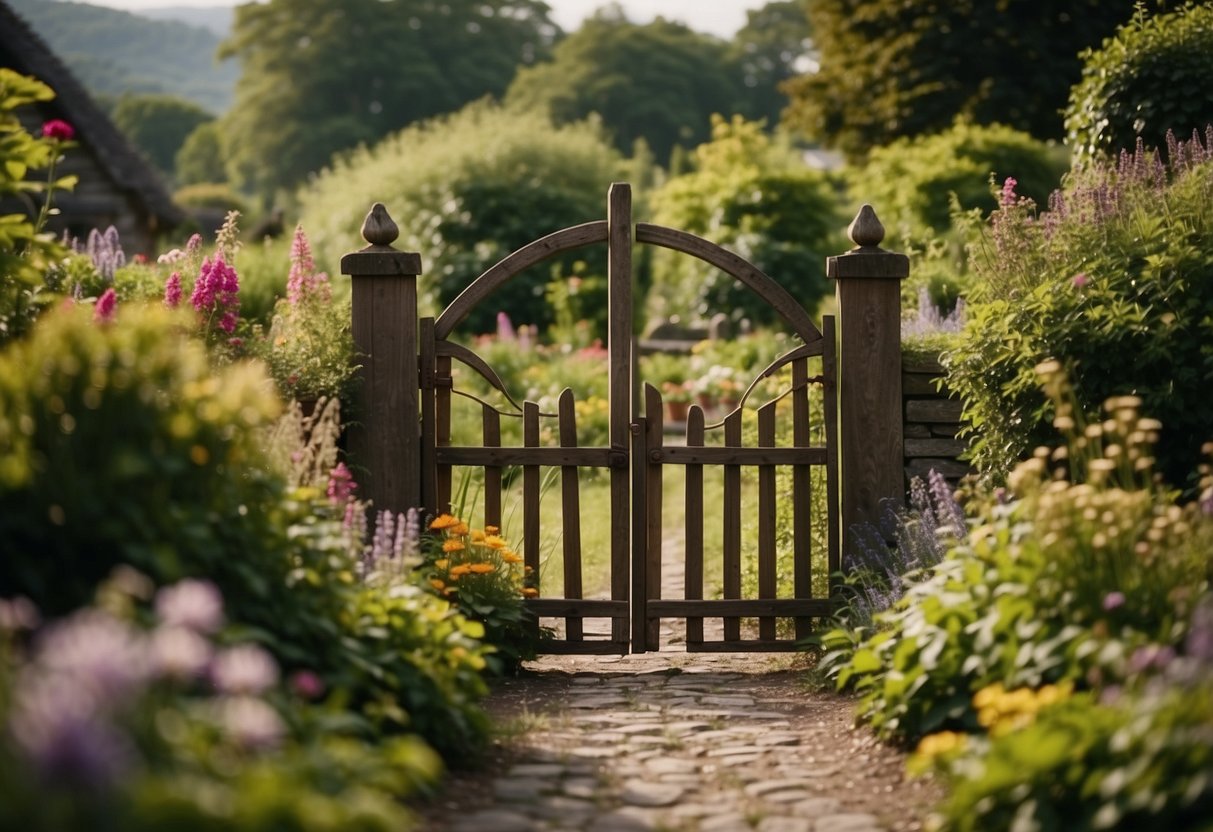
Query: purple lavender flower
x=191, y=603
x=105, y=250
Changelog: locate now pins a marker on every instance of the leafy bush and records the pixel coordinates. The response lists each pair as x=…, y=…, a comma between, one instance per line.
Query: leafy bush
x=1114, y=281
x=115, y=725
x=758, y=200
x=1060, y=584
x=1150, y=78
x=466, y=190
x=1137, y=758
x=912, y=180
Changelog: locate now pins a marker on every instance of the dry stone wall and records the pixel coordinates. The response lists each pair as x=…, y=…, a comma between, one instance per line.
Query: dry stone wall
x=930, y=421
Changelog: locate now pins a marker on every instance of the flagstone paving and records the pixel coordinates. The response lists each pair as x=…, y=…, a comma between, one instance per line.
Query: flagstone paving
x=678, y=742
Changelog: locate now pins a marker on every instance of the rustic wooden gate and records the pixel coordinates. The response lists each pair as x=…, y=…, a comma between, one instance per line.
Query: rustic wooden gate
x=635, y=456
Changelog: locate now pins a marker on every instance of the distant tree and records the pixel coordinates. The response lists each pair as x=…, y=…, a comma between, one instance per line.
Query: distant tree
x=772, y=47
x=200, y=158
x=159, y=125
x=660, y=81
x=753, y=196
x=1153, y=76
x=319, y=77
x=891, y=68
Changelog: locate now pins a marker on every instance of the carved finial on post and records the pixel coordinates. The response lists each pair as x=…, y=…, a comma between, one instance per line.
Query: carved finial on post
x=379, y=229
x=865, y=230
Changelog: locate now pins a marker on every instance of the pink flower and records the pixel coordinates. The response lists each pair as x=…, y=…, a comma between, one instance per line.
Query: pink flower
x=245, y=668
x=341, y=484
x=1113, y=600
x=58, y=130
x=1080, y=280
x=306, y=684
x=172, y=290
x=303, y=280
x=191, y=603
x=103, y=312
x=216, y=292
x=193, y=244
x=1008, y=191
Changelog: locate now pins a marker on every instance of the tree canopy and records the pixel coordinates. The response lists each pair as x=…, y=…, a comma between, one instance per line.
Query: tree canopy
x=771, y=48
x=159, y=125
x=319, y=77
x=659, y=81
x=892, y=68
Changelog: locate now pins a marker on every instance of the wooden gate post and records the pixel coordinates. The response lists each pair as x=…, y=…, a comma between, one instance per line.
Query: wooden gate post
x=384, y=438
x=869, y=373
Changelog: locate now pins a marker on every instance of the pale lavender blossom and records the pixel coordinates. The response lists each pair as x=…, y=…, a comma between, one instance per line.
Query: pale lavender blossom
x=105, y=250
x=192, y=603
x=929, y=320
x=245, y=668
x=92, y=650
x=18, y=614
x=1151, y=657
x=171, y=256
x=1113, y=600
x=179, y=653
x=250, y=723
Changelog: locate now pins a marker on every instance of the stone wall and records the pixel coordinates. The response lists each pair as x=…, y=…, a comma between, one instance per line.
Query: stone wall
x=930, y=420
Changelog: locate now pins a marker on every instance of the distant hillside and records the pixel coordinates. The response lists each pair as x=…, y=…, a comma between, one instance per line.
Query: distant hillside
x=112, y=52
x=217, y=19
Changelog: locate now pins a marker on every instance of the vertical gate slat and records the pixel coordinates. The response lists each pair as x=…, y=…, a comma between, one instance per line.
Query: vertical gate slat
x=767, y=586
x=653, y=427
x=829, y=364
x=694, y=525
x=619, y=372
x=732, y=524
x=442, y=438
x=492, y=473
x=802, y=496
x=530, y=494
x=571, y=512
x=428, y=349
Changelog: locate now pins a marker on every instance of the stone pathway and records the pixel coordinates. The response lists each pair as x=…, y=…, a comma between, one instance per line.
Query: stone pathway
x=679, y=742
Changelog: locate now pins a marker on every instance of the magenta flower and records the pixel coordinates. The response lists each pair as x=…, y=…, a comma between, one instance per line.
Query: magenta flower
x=1080, y=280
x=58, y=130
x=172, y=290
x=216, y=293
x=103, y=312
x=306, y=684
x=341, y=484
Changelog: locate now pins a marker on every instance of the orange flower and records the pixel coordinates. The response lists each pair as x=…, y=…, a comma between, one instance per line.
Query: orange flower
x=482, y=568
x=510, y=557
x=477, y=536
x=494, y=542
x=452, y=545
x=491, y=530
x=443, y=521
x=437, y=584
x=441, y=563
x=459, y=528
x=530, y=592
x=461, y=569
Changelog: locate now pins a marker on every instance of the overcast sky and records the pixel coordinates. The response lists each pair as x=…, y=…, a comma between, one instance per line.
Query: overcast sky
x=719, y=17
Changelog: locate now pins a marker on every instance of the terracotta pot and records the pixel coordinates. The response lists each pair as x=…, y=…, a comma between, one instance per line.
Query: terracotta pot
x=677, y=411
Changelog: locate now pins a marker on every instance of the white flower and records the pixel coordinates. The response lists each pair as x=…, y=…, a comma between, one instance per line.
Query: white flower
x=245, y=668
x=191, y=603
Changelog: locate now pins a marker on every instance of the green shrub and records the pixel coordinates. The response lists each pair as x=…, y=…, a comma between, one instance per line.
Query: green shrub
x=757, y=199
x=466, y=190
x=1136, y=758
x=1151, y=77
x=119, y=445
x=1115, y=281
x=1061, y=584
x=911, y=181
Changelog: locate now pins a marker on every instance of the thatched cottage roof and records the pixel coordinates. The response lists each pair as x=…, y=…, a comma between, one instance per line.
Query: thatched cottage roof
x=24, y=51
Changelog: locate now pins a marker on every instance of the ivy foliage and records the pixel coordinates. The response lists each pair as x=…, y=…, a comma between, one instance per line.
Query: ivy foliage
x=1150, y=77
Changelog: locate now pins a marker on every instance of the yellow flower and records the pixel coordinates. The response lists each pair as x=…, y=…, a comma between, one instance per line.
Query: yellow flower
x=477, y=536
x=459, y=528
x=944, y=742
x=452, y=545
x=510, y=557
x=443, y=521
x=441, y=563
x=461, y=569
x=437, y=584
x=494, y=542
x=482, y=568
